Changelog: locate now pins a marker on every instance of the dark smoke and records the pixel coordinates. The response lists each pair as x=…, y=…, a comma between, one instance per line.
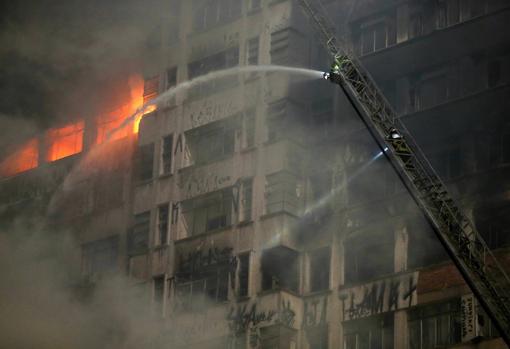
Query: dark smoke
x=65, y=59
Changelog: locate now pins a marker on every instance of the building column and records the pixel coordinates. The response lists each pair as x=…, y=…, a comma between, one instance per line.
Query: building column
x=400, y=330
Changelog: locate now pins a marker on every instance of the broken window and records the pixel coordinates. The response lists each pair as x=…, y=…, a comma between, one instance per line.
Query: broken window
x=150, y=88
x=145, y=161
x=319, y=269
x=138, y=237
x=162, y=229
x=211, y=142
x=283, y=193
x=166, y=154
x=368, y=255
x=372, y=333
x=64, y=141
x=246, y=200
x=415, y=25
x=280, y=269
x=317, y=337
x=100, y=256
x=203, y=277
x=23, y=159
x=244, y=274
x=208, y=212
x=435, y=325
x=252, y=51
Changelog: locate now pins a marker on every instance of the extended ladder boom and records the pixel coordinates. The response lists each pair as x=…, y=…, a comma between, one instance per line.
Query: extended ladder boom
x=466, y=247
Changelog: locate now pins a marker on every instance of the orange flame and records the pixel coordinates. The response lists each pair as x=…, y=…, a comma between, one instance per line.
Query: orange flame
x=24, y=159
x=64, y=141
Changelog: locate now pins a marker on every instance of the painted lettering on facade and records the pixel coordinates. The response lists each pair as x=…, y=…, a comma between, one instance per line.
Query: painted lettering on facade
x=209, y=110
x=198, y=183
x=468, y=317
x=379, y=297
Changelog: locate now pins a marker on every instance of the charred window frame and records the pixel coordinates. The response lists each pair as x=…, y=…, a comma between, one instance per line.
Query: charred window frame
x=283, y=193
x=138, y=236
x=423, y=247
x=372, y=333
x=208, y=212
x=368, y=255
x=284, y=120
x=280, y=269
x=150, y=88
x=415, y=24
x=167, y=143
x=163, y=224
x=435, y=325
x=377, y=34
x=430, y=89
x=320, y=261
x=100, y=256
x=244, y=274
x=145, y=162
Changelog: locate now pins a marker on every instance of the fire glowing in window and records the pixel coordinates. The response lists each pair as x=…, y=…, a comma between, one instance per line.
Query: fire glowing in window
x=64, y=141
x=24, y=159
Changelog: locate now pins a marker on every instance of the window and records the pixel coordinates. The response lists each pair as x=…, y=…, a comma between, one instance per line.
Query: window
x=171, y=77
x=453, y=11
x=100, y=255
x=138, y=237
x=283, y=193
x=283, y=119
x=20, y=160
x=431, y=90
x=374, y=37
x=317, y=337
x=280, y=269
x=319, y=269
x=211, y=143
x=150, y=88
x=424, y=248
x=145, y=161
x=371, y=333
x=286, y=47
x=159, y=289
x=166, y=154
x=208, y=13
x=244, y=274
x=249, y=128
x=246, y=200
x=64, y=141
x=368, y=256
x=435, y=325
x=222, y=60
x=162, y=231
x=209, y=212
x=415, y=25
x=252, y=51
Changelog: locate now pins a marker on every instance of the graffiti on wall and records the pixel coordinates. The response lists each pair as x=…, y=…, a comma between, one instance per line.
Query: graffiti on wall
x=315, y=311
x=195, y=261
x=199, y=183
x=379, y=297
x=210, y=110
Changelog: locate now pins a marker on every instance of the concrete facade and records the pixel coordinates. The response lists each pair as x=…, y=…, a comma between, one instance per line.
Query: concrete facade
x=256, y=212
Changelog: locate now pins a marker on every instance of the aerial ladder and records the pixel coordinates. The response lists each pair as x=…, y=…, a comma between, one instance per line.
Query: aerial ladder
x=466, y=247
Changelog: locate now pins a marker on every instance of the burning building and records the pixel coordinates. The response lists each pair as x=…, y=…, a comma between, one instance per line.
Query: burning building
x=253, y=210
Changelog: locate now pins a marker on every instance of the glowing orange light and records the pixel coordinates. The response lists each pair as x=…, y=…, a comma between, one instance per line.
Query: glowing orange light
x=24, y=159
x=64, y=141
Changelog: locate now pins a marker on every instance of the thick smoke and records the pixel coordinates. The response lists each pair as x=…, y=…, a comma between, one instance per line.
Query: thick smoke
x=61, y=60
